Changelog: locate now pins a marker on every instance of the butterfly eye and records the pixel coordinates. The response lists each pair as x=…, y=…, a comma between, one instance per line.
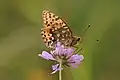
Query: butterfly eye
x=78, y=39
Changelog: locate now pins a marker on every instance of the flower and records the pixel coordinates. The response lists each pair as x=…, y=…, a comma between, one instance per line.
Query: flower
x=62, y=55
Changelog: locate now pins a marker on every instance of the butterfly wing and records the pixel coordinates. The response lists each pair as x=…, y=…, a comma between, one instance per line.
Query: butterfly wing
x=55, y=30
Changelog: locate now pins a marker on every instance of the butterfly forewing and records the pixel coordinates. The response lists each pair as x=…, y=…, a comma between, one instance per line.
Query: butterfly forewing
x=55, y=30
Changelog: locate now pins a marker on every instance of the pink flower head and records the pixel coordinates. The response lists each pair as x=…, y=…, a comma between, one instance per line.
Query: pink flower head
x=64, y=54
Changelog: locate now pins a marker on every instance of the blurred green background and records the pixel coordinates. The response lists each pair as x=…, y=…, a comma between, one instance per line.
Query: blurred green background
x=20, y=40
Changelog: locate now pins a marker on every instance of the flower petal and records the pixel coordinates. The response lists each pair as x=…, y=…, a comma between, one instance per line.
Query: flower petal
x=76, y=57
x=69, y=52
x=61, y=50
x=46, y=55
x=56, y=68
x=73, y=65
x=58, y=50
x=75, y=60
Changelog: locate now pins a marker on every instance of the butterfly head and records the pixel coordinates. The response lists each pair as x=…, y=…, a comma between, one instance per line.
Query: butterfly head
x=75, y=40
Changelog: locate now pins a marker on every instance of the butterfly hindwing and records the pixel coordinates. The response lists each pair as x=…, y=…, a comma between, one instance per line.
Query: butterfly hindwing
x=56, y=30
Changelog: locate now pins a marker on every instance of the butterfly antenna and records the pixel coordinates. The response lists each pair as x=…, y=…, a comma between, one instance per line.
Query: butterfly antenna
x=85, y=30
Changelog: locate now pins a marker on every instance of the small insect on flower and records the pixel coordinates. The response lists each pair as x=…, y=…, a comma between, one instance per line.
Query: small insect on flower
x=56, y=30
x=62, y=55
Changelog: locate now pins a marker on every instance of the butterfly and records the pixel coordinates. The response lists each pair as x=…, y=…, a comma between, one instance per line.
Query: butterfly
x=56, y=30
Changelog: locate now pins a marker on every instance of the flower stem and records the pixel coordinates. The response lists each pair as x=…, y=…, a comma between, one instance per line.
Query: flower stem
x=60, y=71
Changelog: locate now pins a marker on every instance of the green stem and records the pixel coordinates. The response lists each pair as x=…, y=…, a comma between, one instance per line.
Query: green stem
x=60, y=71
